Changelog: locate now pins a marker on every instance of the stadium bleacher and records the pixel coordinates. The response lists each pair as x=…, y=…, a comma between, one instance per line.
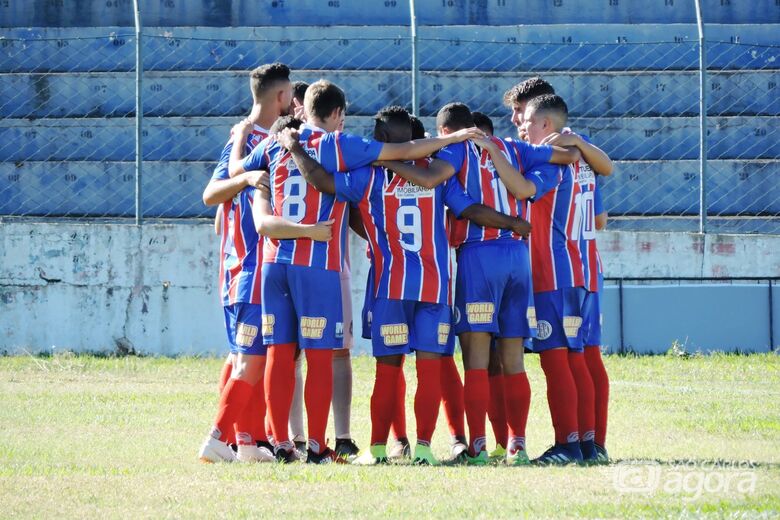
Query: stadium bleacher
x=627, y=69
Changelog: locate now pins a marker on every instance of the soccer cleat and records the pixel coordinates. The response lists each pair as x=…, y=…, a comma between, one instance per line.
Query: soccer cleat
x=459, y=451
x=377, y=454
x=481, y=459
x=400, y=449
x=214, y=450
x=423, y=456
x=497, y=454
x=602, y=457
x=286, y=456
x=589, y=454
x=347, y=449
x=518, y=458
x=249, y=453
x=560, y=455
x=328, y=456
x=300, y=449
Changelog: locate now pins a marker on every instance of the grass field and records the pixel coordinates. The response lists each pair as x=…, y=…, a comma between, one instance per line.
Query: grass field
x=118, y=437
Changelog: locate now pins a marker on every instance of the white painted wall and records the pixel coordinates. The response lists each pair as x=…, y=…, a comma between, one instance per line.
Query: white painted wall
x=153, y=289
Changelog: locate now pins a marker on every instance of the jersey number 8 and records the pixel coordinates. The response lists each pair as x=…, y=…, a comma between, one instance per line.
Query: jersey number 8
x=294, y=203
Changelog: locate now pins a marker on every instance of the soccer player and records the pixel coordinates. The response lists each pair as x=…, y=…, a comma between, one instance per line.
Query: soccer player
x=239, y=247
x=406, y=227
x=491, y=297
x=301, y=289
x=483, y=122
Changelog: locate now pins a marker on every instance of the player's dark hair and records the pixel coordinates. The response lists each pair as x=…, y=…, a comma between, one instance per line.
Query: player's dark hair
x=528, y=89
x=264, y=77
x=550, y=105
x=299, y=90
x=455, y=116
x=392, y=124
x=418, y=129
x=483, y=122
x=322, y=98
x=285, y=122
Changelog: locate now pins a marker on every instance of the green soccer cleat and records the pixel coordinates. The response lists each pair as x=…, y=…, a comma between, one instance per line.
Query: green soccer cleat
x=423, y=456
x=481, y=459
x=518, y=458
x=497, y=454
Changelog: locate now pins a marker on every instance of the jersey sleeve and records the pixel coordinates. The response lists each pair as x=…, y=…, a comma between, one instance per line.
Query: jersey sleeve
x=341, y=152
x=455, y=197
x=258, y=159
x=221, y=169
x=545, y=177
x=351, y=186
x=531, y=155
x=454, y=154
x=598, y=203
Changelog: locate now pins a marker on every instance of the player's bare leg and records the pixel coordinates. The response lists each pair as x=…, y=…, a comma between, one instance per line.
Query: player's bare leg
x=517, y=398
x=476, y=391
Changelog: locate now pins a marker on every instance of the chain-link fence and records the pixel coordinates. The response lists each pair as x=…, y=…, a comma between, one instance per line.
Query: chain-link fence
x=68, y=107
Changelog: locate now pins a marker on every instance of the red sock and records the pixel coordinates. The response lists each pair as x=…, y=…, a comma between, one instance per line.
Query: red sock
x=452, y=396
x=317, y=393
x=398, y=426
x=601, y=386
x=279, y=382
x=561, y=394
x=586, y=400
x=250, y=424
x=477, y=394
x=269, y=432
x=231, y=403
x=496, y=409
x=383, y=402
x=518, y=401
x=428, y=398
x=224, y=375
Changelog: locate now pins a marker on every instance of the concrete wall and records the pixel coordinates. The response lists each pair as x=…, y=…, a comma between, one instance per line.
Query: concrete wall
x=153, y=289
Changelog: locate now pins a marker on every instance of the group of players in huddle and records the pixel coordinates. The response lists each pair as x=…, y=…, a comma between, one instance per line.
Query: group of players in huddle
x=520, y=215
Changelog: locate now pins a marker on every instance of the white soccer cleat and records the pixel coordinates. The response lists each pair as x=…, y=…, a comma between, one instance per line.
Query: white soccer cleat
x=214, y=450
x=250, y=453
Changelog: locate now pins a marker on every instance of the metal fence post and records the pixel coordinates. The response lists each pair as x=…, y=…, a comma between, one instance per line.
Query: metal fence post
x=139, y=114
x=702, y=121
x=415, y=65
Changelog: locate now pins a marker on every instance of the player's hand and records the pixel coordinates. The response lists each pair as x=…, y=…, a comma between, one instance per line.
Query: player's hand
x=242, y=129
x=254, y=178
x=298, y=110
x=466, y=133
x=486, y=143
x=322, y=231
x=521, y=227
x=556, y=139
x=289, y=138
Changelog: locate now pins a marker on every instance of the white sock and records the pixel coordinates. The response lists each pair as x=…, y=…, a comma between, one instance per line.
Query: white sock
x=342, y=396
x=297, y=431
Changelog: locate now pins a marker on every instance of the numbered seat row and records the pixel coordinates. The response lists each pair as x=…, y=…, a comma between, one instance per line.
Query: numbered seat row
x=173, y=189
x=87, y=13
x=505, y=48
x=227, y=94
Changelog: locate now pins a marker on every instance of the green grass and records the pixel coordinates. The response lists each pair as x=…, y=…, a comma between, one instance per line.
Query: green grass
x=118, y=437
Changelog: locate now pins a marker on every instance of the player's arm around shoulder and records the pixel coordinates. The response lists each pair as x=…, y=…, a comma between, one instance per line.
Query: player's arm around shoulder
x=513, y=179
x=436, y=173
x=272, y=226
x=598, y=160
x=421, y=148
x=314, y=173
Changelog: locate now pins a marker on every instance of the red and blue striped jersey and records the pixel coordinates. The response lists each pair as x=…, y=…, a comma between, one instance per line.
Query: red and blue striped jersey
x=475, y=171
x=294, y=199
x=407, y=232
x=240, y=247
x=589, y=205
x=555, y=253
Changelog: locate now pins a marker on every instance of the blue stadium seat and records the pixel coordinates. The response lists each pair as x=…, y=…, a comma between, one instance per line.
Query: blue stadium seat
x=227, y=93
x=225, y=13
x=202, y=138
x=173, y=189
x=520, y=49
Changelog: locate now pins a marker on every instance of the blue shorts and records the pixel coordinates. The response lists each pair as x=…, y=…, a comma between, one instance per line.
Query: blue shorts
x=242, y=322
x=403, y=326
x=368, y=304
x=591, y=319
x=302, y=305
x=559, y=319
x=493, y=289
